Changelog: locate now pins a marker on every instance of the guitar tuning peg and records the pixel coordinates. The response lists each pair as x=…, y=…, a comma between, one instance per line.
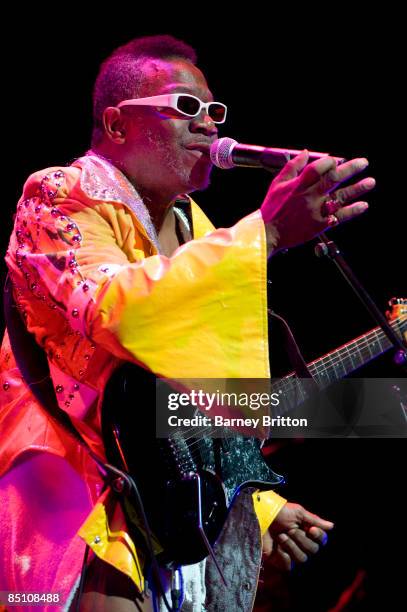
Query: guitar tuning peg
x=394, y=301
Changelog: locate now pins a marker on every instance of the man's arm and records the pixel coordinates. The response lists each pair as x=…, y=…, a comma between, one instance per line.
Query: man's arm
x=207, y=300
x=90, y=262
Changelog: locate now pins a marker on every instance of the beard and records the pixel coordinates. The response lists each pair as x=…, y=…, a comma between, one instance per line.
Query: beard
x=179, y=166
x=200, y=176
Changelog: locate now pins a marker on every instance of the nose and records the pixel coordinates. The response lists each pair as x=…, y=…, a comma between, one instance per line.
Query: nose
x=203, y=124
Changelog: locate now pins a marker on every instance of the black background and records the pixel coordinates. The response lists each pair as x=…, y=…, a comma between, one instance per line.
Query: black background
x=323, y=79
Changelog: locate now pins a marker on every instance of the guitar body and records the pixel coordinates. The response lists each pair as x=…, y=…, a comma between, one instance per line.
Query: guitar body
x=187, y=485
x=186, y=502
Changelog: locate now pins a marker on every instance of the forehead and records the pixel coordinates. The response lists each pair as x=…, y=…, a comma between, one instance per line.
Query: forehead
x=173, y=75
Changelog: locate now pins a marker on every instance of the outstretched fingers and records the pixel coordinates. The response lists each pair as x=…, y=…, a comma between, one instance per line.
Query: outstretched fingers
x=351, y=192
x=339, y=174
x=346, y=213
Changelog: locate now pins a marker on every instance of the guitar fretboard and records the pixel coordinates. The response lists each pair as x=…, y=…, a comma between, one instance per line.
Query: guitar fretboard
x=336, y=365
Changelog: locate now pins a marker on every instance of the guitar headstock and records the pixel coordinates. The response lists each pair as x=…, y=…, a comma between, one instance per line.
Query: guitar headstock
x=398, y=308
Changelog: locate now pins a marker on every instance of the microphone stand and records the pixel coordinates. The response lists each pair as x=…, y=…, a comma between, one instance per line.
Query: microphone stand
x=329, y=249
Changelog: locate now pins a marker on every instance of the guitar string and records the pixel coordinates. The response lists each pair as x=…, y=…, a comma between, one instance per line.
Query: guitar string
x=287, y=383
x=338, y=360
x=290, y=380
x=342, y=357
x=361, y=344
x=200, y=435
x=202, y=453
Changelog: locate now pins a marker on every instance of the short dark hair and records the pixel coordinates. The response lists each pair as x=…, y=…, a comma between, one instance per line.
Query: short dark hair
x=121, y=75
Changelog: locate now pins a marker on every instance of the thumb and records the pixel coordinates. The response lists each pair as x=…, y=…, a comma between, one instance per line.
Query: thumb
x=312, y=520
x=293, y=167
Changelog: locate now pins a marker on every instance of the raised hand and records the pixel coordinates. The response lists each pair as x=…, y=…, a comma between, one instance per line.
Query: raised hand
x=303, y=200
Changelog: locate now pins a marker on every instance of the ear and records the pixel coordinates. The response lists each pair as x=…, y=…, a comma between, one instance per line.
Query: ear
x=114, y=124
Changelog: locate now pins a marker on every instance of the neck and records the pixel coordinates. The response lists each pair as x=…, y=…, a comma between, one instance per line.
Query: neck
x=159, y=203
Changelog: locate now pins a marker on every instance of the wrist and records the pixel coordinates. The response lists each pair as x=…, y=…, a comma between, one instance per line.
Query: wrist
x=267, y=505
x=272, y=239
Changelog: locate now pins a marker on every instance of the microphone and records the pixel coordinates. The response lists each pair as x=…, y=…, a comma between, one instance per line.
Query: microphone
x=227, y=153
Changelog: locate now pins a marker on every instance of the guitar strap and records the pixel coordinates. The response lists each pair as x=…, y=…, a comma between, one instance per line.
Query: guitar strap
x=294, y=354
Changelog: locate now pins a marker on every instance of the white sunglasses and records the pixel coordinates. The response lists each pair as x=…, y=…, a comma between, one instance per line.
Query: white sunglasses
x=185, y=104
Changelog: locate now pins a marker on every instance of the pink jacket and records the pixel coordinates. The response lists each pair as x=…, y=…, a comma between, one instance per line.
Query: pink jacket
x=89, y=280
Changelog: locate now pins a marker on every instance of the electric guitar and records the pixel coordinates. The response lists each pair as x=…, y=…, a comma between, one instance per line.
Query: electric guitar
x=187, y=484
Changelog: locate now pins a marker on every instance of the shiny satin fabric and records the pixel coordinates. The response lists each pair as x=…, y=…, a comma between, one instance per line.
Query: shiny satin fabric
x=92, y=287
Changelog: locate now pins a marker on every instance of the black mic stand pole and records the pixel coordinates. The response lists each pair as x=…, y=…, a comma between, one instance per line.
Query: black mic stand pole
x=329, y=249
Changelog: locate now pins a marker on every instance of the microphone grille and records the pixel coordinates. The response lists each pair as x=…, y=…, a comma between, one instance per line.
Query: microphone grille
x=221, y=153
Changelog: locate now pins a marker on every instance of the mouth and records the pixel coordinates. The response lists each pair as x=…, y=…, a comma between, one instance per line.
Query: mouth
x=199, y=147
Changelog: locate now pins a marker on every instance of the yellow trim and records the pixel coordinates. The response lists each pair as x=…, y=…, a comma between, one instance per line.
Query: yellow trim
x=114, y=547
x=267, y=504
x=200, y=222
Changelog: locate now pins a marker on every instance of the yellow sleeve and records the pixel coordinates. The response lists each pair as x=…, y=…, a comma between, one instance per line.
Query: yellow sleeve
x=114, y=546
x=207, y=301
x=200, y=313
x=267, y=504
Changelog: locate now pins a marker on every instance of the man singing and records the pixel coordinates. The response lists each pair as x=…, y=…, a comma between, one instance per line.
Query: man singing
x=111, y=261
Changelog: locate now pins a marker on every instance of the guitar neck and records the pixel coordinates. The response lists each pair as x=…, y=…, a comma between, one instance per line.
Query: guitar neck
x=337, y=364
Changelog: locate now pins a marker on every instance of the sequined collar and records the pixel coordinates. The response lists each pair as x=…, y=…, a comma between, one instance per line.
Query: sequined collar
x=101, y=180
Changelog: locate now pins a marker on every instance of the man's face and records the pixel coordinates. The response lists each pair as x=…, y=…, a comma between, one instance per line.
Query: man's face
x=159, y=145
